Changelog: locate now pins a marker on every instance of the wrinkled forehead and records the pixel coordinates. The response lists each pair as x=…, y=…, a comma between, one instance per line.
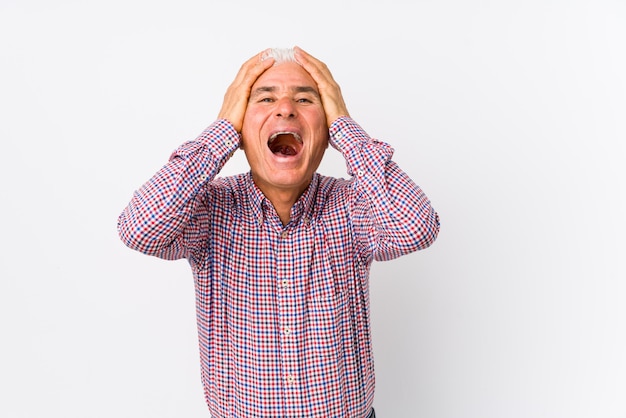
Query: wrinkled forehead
x=286, y=75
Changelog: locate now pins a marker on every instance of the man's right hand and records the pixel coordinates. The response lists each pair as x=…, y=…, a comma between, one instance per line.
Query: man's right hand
x=238, y=93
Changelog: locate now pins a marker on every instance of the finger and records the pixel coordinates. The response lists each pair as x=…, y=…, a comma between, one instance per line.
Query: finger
x=330, y=92
x=238, y=93
x=253, y=68
x=316, y=68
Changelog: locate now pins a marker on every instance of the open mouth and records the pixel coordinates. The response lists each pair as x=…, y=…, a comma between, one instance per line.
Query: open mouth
x=285, y=143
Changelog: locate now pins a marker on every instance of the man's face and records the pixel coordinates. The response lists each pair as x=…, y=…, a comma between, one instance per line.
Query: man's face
x=284, y=133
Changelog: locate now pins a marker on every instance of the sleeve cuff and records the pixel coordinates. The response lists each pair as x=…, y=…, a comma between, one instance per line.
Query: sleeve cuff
x=220, y=139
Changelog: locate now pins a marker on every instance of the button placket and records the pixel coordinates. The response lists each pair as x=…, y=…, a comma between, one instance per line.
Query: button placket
x=284, y=253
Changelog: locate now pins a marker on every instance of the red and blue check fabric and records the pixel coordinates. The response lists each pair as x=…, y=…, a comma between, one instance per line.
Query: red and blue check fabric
x=282, y=311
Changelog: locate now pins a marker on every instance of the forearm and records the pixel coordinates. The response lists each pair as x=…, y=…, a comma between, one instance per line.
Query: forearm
x=391, y=214
x=155, y=220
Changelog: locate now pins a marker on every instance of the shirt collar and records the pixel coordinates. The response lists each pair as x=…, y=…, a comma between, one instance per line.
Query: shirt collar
x=301, y=210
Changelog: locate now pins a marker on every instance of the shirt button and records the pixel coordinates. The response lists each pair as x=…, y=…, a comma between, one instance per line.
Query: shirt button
x=285, y=284
x=338, y=135
x=287, y=330
x=284, y=235
x=360, y=173
x=203, y=177
x=228, y=143
x=290, y=379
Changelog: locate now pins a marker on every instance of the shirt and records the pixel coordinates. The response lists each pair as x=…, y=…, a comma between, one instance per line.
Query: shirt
x=283, y=311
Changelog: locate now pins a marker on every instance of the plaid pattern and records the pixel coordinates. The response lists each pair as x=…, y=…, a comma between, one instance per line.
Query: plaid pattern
x=282, y=311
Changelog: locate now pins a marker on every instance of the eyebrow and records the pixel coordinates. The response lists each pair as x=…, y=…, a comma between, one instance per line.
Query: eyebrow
x=297, y=89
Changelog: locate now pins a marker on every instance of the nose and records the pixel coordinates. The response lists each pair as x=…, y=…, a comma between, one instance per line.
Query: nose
x=285, y=108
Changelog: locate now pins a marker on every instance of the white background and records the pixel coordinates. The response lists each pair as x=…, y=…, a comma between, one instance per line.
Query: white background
x=511, y=115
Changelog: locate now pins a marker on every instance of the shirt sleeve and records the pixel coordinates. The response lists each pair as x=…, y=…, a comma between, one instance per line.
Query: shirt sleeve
x=162, y=218
x=390, y=214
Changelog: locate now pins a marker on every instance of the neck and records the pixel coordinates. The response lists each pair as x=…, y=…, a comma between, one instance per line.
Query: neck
x=282, y=199
x=283, y=205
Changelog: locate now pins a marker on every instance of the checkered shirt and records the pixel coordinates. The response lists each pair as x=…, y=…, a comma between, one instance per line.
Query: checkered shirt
x=282, y=311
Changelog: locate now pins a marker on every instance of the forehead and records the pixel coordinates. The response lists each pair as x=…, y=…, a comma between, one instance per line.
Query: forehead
x=285, y=75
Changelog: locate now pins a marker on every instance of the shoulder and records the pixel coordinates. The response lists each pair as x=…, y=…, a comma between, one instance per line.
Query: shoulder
x=333, y=191
x=230, y=187
x=234, y=182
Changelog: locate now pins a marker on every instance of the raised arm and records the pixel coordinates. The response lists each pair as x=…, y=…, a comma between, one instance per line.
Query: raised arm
x=391, y=215
x=165, y=217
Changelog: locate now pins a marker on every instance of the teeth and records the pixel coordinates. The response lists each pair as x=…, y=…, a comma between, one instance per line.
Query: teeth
x=274, y=136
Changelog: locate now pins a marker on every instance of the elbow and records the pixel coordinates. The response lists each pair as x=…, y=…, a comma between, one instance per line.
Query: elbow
x=429, y=231
x=130, y=236
x=418, y=234
x=135, y=236
x=421, y=236
x=150, y=238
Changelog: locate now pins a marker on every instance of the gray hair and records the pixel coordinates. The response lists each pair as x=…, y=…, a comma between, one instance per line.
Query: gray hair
x=281, y=55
